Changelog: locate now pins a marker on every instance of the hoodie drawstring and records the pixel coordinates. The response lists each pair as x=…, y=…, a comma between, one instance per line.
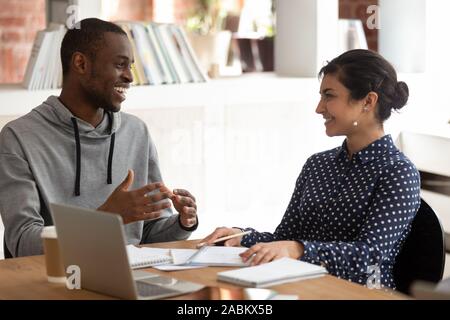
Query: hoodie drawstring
x=78, y=155
x=78, y=148
x=111, y=149
x=110, y=157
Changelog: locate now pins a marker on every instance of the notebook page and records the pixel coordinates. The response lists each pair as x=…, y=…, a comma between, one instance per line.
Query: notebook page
x=144, y=257
x=221, y=256
x=179, y=258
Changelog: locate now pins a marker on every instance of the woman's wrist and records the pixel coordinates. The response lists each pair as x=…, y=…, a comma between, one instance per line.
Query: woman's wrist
x=298, y=249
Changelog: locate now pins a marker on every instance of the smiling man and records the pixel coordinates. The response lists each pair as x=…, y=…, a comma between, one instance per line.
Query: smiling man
x=78, y=149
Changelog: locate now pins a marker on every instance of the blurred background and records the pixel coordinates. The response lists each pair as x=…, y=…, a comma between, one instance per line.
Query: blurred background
x=239, y=140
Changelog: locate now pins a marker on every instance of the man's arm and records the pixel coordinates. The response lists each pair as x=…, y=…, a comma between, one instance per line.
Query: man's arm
x=166, y=229
x=20, y=204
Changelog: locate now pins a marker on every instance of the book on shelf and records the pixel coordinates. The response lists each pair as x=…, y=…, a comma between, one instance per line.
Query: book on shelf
x=162, y=55
x=146, y=54
x=162, y=63
x=137, y=70
x=174, y=54
x=42, y=72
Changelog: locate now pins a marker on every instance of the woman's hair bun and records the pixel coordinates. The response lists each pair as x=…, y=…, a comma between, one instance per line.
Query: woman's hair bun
x=401, y=95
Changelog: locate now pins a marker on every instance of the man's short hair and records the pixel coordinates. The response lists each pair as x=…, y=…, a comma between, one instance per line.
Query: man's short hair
x=87, y=38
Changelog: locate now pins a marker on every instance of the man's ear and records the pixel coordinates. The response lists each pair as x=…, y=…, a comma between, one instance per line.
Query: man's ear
x=80, y=63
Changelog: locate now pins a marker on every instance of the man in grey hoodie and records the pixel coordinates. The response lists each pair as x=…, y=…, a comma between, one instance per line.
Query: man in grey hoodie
x=77, y=148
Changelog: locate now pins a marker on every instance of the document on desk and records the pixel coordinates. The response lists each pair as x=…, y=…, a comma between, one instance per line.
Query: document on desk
x=220, y=257
x=179, y=258
x=208, y=257
x=167, y=259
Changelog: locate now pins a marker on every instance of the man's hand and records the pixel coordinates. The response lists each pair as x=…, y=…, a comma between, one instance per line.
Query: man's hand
x=184, y=203
x=136, y=205
x=266, y=252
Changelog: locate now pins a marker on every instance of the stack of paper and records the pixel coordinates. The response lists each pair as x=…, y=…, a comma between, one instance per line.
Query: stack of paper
x=272, y=273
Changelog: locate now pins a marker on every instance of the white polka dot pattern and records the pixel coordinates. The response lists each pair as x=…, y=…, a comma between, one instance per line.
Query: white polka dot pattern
x=351, y=214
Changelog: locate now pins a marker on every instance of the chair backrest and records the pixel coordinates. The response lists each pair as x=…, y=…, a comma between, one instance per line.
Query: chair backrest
x=6, y=252
x=422, y=256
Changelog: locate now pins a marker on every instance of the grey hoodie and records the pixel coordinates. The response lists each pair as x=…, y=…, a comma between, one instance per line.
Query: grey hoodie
x=49, y=156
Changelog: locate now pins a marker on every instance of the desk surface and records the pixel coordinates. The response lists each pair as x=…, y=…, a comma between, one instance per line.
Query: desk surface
x=25, y=278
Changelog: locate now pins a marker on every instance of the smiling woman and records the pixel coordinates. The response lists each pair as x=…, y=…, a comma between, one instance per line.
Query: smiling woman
x=359, y=90
x=352, y=206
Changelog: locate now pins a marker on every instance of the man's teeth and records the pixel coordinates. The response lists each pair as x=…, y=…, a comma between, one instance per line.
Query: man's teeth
x=121, y=90
x=328, y=120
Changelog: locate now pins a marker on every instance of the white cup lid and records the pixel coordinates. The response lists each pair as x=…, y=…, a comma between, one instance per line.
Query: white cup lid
x=49, y=232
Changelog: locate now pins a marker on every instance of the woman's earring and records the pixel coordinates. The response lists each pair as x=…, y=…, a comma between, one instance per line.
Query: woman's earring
x=355, y=123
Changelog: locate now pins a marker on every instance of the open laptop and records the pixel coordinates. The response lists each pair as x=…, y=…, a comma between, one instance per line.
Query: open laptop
x=95, y=241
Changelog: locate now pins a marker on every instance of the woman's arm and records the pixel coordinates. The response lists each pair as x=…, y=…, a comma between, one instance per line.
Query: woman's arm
x=394, y=204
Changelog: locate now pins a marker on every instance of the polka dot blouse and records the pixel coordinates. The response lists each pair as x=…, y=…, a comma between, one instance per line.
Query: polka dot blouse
x=352, y=216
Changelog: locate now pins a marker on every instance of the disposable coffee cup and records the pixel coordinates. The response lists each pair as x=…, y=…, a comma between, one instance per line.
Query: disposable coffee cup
x=53, y=259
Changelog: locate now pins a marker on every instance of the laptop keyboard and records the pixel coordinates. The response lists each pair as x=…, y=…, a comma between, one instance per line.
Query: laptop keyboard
x=148, y=290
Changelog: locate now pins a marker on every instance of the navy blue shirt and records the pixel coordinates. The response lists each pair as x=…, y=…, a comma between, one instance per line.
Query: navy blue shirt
x=352, y=216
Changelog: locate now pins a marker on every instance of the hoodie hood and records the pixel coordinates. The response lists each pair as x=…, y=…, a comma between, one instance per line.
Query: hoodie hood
x=54, y=111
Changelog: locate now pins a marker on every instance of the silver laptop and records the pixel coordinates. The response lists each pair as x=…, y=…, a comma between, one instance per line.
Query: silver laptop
x=95, y=241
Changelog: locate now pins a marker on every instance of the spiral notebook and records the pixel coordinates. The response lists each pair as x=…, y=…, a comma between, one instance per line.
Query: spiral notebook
x=146, y=257
x=272, y=273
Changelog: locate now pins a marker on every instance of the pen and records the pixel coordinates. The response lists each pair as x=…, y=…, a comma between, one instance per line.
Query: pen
x=197, y=253
x=171, y=256
x=201, y=244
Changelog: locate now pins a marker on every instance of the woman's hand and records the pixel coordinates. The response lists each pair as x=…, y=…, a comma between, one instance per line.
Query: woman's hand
x=266, y=252
x=222, y=232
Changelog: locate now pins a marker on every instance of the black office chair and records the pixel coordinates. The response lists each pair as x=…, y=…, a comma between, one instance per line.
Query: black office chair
x=422, y=256
x=6, y=252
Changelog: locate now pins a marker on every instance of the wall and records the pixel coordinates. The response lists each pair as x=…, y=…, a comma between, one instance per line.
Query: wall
x=133, y=10
x=19, y=22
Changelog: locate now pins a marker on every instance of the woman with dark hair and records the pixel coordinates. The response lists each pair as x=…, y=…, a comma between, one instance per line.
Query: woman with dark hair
x=352, y=206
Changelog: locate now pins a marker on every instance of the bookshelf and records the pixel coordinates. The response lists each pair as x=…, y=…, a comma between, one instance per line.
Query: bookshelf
x=162, y=55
